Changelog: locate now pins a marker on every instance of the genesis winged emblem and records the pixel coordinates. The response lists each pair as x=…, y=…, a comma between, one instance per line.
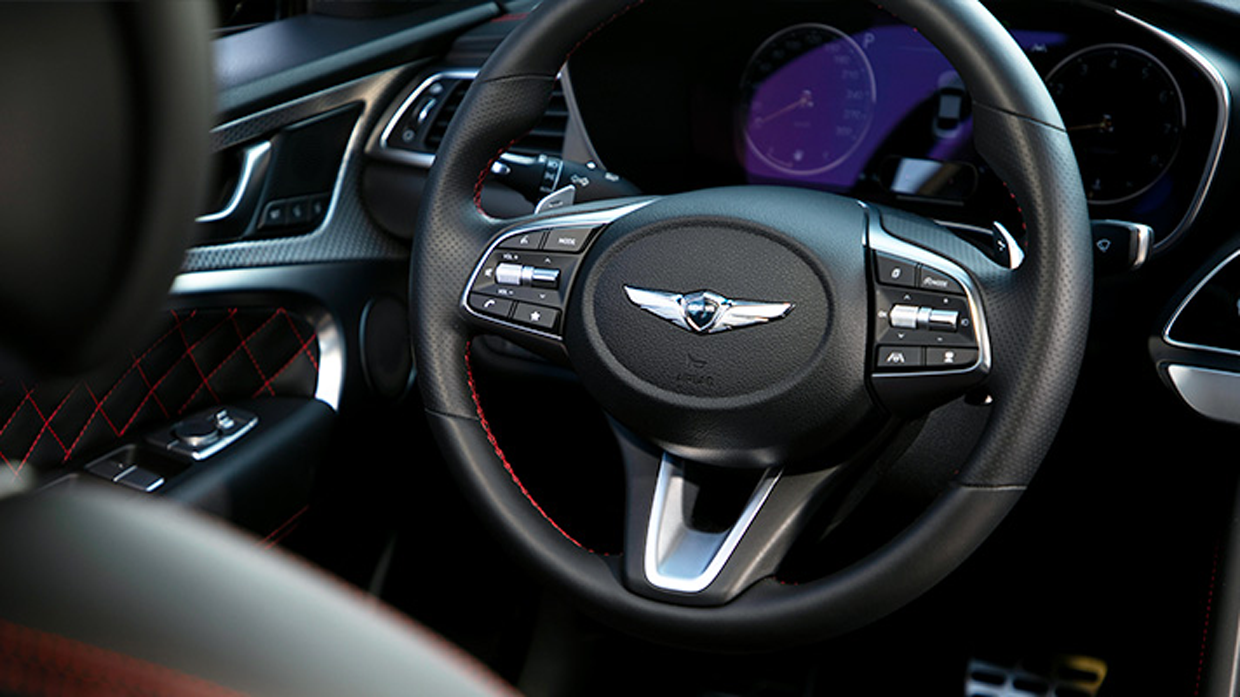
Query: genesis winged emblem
x=704, y=311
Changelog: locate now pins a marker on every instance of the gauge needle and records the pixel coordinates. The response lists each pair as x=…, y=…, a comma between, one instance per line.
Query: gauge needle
x=806, y=100
x=1106, y=124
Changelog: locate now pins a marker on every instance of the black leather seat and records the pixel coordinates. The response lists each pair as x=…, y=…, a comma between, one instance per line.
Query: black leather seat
x=103, y=132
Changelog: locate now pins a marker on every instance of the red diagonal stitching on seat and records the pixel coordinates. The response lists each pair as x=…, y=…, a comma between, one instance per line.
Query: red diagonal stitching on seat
x=16, y=409
x=98, y=410
x=47, y=427
x=146, y=381
x=246, y=345
x=296, y=354
x=136, y=362
x=227, y=358
x=189, y=351
x=293, y=326
x=5, y=427
x=160, y=381
x=276, y=536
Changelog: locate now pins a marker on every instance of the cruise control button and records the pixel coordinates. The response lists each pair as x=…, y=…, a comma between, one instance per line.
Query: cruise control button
x=566, y=240
x=496, y=307
x=536, y=315
x=950, y=357
x=937, y=281
x=897, y=357
x=894, y=271
x=529, y=240
x=274, y=215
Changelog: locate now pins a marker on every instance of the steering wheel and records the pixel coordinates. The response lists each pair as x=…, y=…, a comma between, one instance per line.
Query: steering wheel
x=777, y=330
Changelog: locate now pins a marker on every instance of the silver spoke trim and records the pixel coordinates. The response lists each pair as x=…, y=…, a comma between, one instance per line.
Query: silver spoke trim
x=679, y=558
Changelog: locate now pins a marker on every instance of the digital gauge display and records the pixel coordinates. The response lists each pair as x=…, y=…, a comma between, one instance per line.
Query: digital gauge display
x=811, y=98
x=1125, y=115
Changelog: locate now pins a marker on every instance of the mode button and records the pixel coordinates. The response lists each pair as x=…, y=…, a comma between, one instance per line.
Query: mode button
x=566, y=239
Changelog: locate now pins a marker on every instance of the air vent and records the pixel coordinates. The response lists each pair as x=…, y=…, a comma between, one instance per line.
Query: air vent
x=419, y=127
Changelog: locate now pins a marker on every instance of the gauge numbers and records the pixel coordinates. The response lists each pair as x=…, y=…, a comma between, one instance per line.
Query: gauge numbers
x=1125, y=115
x=807, y=100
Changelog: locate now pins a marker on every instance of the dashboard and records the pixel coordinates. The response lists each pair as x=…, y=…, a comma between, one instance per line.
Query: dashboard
x=846, y=98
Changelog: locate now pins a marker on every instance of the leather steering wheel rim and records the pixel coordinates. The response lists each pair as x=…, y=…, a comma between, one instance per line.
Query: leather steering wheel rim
x=1038, y=319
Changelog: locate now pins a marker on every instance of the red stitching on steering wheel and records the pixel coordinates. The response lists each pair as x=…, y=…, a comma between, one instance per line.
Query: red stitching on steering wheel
x=486, y=427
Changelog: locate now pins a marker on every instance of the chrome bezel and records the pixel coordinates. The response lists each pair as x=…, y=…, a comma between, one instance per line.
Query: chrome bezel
x=1222, y=121
x=1166, y=334
x=419, y=159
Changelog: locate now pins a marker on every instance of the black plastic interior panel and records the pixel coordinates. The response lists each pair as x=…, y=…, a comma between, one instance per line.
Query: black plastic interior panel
x=265, y=477
x=192, y=359
x=291, y=58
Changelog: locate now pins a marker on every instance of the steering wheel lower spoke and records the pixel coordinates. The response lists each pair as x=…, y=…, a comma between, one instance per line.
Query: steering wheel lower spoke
x=701, y=535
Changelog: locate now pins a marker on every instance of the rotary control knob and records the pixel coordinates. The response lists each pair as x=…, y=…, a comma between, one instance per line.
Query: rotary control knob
x=197, y=432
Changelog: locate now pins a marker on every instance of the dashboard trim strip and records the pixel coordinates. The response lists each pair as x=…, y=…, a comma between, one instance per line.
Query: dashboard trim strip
x=1166, y=334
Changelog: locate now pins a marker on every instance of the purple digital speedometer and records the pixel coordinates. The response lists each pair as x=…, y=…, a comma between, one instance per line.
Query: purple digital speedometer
x=810, y=96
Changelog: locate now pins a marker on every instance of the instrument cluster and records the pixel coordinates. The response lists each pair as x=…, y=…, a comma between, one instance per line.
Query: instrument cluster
x=848, y=99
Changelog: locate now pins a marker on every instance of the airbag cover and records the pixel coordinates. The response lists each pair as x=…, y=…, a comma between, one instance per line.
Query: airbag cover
x=751, y=395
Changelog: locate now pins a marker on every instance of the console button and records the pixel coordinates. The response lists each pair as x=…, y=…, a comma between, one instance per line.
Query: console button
x=566, y=240
x=950, y=357
x=545, y=278
x=528, y=240
x=297, y=211
x=899, y=357
x=274, y=215
x=508, y=274
x=497, y=307
x=140, y=479
x=936, y=281
x=318, y=208
x=108, y=469
x=894, y=271
x=536, y=315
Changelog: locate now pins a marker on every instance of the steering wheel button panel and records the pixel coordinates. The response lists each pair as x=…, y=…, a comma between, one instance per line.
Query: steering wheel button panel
x=529, y=240
x=525, y=275
x=488, y=305
x=567, y=240
x=930, y=342
x=950, y=357
x=900, y=357
x=537, y=316
x=895, y=272
x=935, y=280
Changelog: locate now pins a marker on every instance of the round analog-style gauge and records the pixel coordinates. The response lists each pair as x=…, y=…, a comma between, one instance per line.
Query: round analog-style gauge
x=807, y=100
x=1125, y=115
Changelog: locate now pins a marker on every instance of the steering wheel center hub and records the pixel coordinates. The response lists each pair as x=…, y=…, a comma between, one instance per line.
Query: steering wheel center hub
x=728, y=325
